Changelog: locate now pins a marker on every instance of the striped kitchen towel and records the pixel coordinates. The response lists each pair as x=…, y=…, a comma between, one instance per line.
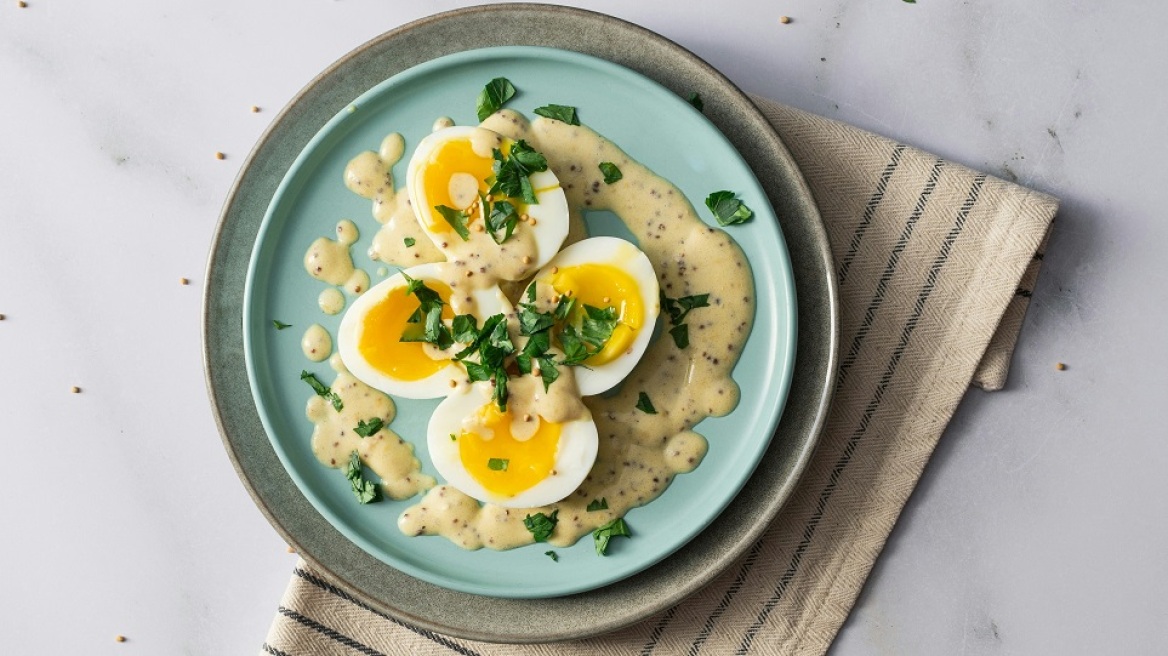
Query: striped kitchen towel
x=935, y=264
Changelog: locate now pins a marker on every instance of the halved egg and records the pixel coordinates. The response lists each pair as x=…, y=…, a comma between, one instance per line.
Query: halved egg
x=451, y=168
x=512, y=461
x=369, y=338
x=605, y=272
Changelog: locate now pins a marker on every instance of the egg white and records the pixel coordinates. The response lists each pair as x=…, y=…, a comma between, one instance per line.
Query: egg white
x=575, y=454
x=550, y=213
x=489, y=301
x=621, y=254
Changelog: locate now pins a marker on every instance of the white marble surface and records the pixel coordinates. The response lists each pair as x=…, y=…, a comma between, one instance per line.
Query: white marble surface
x=1039, y=527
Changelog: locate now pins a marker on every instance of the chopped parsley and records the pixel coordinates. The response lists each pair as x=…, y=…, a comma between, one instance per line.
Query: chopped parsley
x=602, y=535
x=598, y=504
x=492, y=97
x=695, y=99
x=458, y=219
x=552, y=555
x=409, y=242
x=598, y=325
x=322, y=390
x=611, y=172
x=498, y=464
x=512, y=172
x=453, y=437
x=500, y=216
x=678, y=309
x=541, y=525
x=727, y=209
x=365, y=490
x=560, y=113
x=367, y=428
x=280, y=325
x=680, y=335
x=645, y=405
x=425, y=324
x=492, y=344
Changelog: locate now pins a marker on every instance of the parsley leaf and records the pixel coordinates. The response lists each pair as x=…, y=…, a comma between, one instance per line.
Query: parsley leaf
x=280, y=325
x=695, y=99
x=645, y=405
x=598, y=504
x=322, y=390
x=680, y=335
x=575, y=352
x=602, y=535
x=552, y=555
x=512, y=171
x=465, y=329
x=503, y=216
x=458, y=219
x=366, y=491
x=531, y=322
x=548, y=371
x=563, y=113
x=492, y=97
x=527, y=157
x=678, y=308
x=727, y=209
x=425, y=324
x=409, y=242
x=500, y=396
x=598, y=325
x=367, y=428
x=611, y=172
x=564, y=307
x=498, y=464
x=541, y=525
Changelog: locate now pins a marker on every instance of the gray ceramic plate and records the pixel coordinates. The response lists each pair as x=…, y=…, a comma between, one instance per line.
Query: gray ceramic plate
x=444, y=610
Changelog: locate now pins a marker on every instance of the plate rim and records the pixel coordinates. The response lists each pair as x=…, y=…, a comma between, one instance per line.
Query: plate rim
x=784, y=334
x=821, y=309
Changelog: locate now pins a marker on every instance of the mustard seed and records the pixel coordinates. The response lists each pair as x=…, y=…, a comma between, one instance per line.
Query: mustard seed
x=219, y=155
x=784, y=19
x=1061, y=367
x=75, y=389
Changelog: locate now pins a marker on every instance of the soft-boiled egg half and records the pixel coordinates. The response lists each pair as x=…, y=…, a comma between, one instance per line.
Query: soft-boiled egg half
x=369, y=338
x=500, y=458
x=607, y=272
x=453, y=166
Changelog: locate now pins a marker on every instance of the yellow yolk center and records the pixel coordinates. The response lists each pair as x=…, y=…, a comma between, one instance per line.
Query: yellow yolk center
x=601, y=286
x=450, y=160
x=503, y=464
x=381, y=331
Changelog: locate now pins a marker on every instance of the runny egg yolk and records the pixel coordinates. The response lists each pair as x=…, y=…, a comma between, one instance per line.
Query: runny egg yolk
x=503, y=464
x=381, y=331
x=601, y=286
x=453, y=176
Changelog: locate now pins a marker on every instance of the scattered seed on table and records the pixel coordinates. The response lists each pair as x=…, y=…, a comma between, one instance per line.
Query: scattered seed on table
x=1, y=317
x=255, y=110
x=184, y=281
x=219, y=155
x=22, y=4
x=1061, y=367
x=75, y=389
x=784, y=19
x=119, y=638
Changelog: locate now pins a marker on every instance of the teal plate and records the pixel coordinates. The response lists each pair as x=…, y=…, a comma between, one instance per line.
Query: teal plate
x=654, y=126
